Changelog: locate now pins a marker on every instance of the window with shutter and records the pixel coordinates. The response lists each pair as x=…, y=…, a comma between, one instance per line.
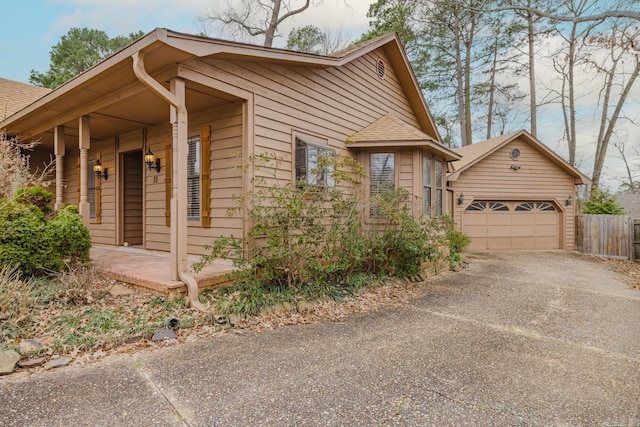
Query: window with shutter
x=310, y=166
x=193, y=178
x=426, y=186
x=382, y=178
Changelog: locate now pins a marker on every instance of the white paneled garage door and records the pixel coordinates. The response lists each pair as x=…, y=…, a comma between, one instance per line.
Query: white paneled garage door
x=512, y=225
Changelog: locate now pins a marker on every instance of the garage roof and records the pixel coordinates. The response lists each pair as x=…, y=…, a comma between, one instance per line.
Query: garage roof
x=474, y=153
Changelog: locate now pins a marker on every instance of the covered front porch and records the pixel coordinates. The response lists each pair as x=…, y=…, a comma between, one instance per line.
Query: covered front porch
x=150, y=270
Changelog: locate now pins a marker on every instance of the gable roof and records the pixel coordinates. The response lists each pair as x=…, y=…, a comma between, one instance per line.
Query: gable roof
x=114, y=77
x=14, y=96
x=474, y=153
x=390, y=131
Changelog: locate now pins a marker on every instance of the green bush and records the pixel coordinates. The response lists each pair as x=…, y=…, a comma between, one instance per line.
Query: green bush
x=313, y=239
x=37, y=242
x=602, y=203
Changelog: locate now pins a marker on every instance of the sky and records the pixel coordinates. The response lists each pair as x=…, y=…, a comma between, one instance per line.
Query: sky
x=26, y=47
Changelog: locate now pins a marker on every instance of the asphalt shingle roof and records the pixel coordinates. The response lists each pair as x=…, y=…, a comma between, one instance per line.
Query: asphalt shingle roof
x=14, y=96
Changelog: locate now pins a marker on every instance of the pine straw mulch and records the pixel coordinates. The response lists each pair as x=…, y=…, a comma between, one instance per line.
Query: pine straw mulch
x=391, y=293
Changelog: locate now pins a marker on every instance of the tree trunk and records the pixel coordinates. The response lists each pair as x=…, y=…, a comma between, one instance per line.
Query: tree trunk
x=492, y=85
x=270, y=32
x=605, y=137
x=532, y=77
x=467, y=86
x=461, y=108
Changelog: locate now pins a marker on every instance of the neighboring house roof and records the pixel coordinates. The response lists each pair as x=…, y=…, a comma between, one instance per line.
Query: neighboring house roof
x=114, y=77
x=14, y=96
x=390, y=131
x=474, y=153
x=630, y=203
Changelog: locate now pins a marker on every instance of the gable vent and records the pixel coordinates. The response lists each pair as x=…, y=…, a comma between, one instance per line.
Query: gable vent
x=380, y=68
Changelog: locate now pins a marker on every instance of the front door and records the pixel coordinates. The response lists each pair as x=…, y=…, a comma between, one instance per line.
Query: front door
x=132, y=212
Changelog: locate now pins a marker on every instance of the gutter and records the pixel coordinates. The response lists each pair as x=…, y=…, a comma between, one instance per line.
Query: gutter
x=179, y=264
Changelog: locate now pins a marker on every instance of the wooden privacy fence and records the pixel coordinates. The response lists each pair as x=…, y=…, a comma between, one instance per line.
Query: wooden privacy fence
x=610, y=236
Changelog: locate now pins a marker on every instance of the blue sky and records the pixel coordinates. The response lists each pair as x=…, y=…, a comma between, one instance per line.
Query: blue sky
x=39, y=24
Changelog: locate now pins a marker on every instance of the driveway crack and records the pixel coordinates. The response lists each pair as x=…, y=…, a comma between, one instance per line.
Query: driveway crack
x=181, y=418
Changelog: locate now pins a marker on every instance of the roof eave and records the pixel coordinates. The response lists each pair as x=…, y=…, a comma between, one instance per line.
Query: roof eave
x=84, y=77
x=448, y=155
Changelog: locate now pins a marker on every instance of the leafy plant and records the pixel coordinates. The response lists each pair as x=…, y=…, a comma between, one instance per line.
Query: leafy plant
x=313, y=239
x=602, y=203
x=38, y=242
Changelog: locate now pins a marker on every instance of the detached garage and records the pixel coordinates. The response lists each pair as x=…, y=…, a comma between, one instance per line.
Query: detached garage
x=512, y=192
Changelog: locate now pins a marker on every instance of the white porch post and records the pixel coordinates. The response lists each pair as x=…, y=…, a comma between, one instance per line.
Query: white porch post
x=85, y=144
x=58, y=149
x=179, y=228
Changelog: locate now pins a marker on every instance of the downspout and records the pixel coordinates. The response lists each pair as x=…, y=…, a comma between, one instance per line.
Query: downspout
x=179, y=265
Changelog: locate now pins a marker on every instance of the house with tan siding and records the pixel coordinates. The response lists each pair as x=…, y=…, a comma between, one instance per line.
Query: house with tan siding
x=513, y=192
x=148, y=142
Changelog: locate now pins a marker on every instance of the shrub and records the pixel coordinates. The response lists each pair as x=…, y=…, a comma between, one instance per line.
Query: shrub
x=304, y=237
x=602, y=203
x=36, y=243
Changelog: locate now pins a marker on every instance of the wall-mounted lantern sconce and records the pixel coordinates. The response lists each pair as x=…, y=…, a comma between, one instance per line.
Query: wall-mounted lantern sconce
x=461, y=198
x=569, y=201
x=151, y=160
x=515, y=167
x=100, y=171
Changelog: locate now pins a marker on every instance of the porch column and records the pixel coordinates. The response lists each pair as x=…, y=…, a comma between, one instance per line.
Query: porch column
x=58, y=149
x=179, y=229
x=84, y=143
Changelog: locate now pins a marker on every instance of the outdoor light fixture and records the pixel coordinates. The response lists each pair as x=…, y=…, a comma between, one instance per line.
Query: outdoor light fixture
x=100, y=171
x=461, y=198
x=569, y=201
x=515, y=167
x=151, y=160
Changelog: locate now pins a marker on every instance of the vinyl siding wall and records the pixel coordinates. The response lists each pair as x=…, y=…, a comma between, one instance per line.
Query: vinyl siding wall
x=323, y=104
x=327, y=104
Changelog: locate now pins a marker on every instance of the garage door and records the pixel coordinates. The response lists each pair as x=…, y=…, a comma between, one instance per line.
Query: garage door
x=512, y=225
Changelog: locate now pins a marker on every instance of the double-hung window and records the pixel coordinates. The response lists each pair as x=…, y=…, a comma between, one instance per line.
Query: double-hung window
x=439, y=181
x=426, y=186
x=193, y=177
x=382, y=179
x=311, y=163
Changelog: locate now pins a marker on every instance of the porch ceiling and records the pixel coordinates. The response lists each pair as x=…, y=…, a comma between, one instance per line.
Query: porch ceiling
x=144, y=109
x=113, y=98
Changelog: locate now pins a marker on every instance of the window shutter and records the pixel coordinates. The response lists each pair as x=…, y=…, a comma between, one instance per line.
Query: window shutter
x=168, y=170
x=79, y=181
x=98, y=195
x=205, y=181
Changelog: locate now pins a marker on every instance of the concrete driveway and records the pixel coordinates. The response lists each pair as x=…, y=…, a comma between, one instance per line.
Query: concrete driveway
x=529, y=338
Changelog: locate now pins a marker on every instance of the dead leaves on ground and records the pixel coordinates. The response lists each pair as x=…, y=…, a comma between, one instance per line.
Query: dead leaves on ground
x=628, y=268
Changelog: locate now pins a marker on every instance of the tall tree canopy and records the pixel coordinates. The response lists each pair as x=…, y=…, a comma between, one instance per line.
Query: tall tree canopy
x=311, y=39
x=469, y=56
x=76, y=51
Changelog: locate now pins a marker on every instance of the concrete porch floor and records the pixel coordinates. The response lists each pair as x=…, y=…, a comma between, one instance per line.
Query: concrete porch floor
x=151, y=269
